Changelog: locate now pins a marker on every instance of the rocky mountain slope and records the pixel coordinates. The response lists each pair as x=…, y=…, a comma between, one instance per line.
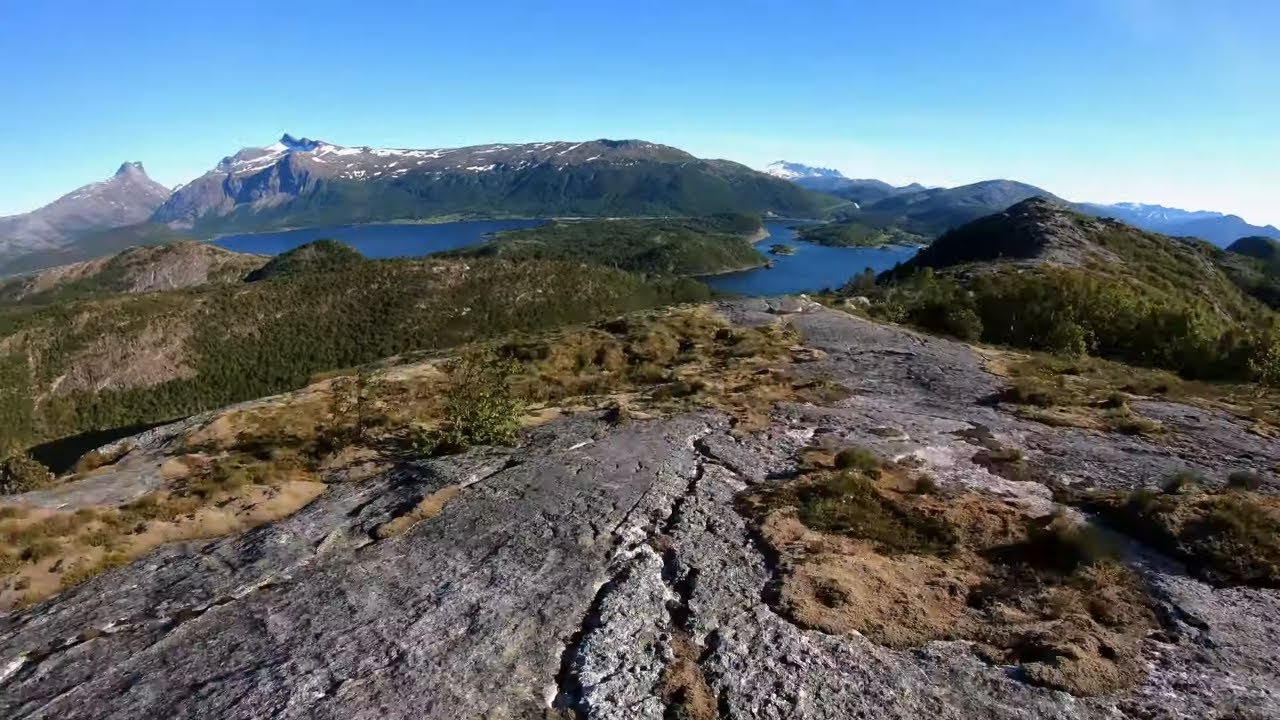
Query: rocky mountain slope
x=921, y=215
x=126, y=198
x=136, y=270
x=304, y=182
x=624, y=566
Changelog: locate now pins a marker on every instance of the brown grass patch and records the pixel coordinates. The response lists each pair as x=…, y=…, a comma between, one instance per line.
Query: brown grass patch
x=1087, y=388
x=43, y=551
x=860, y=551
x=1228, y=537
x=427, y=508
x=684, y=688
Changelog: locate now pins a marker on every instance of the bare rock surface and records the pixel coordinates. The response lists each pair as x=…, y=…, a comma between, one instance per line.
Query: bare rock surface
x=567, y=576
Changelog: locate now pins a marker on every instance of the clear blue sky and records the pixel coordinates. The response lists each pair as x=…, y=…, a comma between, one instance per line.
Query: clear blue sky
x=1173, y=101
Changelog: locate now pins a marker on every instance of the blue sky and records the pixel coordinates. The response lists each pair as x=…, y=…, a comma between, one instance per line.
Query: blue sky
x=1172, y=101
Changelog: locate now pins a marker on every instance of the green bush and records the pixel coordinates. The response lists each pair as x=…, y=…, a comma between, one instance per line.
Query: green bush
x=1183, y=482
x=20, y=473
x=858, y=458
x=1162, y=322
x=481, y=408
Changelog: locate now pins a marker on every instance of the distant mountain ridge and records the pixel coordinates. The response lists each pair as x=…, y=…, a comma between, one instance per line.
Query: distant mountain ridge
x=1218, y=228
x=299, y=182
x=859, y=191
x=1221, y=229
x=127, y=197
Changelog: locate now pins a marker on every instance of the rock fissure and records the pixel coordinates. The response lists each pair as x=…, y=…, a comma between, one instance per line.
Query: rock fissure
x=29, y=662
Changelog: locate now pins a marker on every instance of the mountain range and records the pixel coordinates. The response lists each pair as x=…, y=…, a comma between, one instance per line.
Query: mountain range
x=931, y=211
x=298, y=182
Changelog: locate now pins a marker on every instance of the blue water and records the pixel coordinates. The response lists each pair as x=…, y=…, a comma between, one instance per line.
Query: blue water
x=389, y=240
x=812, y=268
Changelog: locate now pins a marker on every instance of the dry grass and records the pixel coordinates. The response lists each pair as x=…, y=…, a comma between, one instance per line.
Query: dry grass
x=428, y=507
x=1081, y=391
x=862, y=550
x=684, y=688
x=58, y=549
x=259, y=463
x=1229, y=536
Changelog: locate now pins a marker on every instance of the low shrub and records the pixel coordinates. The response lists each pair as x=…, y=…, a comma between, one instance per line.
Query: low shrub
x=1244, y=480
x=21, y=473
x=848, y=503
x=481, y=408
x=858, y=458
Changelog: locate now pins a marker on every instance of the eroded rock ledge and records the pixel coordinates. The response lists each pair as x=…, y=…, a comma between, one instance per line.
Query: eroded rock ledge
x=602, y=571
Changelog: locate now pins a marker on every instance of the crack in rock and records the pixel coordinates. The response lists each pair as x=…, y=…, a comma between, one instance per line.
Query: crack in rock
x=28, y=662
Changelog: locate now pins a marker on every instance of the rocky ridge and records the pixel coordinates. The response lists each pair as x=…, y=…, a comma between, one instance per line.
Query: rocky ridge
x=600, y=570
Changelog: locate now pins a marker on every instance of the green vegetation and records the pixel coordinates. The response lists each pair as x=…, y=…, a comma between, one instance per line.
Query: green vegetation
x=1228, y=537
x=856, y=233
x=20, y=473
x=319, y=256
x=663, y=247
x=781, y=249
x=1253, y=263
x=848, y=503
x=1114, y=292
x=230, y=343
x=680, y=186
x=860, y=459
x=1073, y=312
x=481, y=407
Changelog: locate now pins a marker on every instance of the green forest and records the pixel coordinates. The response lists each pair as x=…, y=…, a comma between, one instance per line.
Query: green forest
x=253, y=339
x=666, y=247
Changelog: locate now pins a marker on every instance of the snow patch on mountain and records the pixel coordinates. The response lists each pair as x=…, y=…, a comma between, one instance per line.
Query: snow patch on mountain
x=793, y=171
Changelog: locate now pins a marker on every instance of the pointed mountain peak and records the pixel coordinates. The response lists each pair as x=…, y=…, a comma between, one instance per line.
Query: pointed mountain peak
x=131, y=169
x=304, y=144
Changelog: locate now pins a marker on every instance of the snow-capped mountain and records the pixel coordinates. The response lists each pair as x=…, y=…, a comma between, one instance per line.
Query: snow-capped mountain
x=795, y=171
x=1160, y=213
x=1218, y=228
x=299, y=181
x=125, y=198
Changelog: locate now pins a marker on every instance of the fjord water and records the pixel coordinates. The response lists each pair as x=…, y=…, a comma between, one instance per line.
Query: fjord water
x=381, y=240
x=812, y=268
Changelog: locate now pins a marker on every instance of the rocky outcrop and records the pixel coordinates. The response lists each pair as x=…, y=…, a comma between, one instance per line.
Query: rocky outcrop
x=602, y=571
x=174, y=266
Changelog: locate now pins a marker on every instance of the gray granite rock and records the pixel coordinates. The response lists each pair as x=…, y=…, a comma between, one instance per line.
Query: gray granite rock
x=555, y=582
